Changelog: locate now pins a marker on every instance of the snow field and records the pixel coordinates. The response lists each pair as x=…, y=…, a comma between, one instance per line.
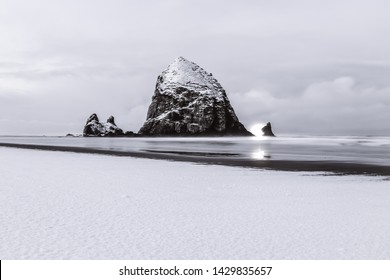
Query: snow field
x=77, y=206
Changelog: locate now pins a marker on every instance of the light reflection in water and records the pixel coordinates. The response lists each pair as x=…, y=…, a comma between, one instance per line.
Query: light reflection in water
x=261, y=154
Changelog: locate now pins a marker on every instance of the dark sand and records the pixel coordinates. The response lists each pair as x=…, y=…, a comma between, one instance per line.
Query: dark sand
x=335, y=167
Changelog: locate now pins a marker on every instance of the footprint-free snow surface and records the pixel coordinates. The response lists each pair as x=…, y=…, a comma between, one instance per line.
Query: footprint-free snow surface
x=77, y=206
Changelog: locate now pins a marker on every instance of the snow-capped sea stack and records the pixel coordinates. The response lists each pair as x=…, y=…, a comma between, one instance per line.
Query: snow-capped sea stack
x=189, y=101
x=94, y=128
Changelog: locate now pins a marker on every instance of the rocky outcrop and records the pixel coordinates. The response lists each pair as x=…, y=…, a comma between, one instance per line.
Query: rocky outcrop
x=189, y=101
x=94, y=128
x=267, y=130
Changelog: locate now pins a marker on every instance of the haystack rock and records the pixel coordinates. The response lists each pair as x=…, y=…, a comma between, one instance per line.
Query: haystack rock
x=267, y=130
x=189, y=101
x=95, y=128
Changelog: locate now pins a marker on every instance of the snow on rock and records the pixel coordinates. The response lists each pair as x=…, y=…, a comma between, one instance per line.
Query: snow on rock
x=190, y=101
x=95, y=128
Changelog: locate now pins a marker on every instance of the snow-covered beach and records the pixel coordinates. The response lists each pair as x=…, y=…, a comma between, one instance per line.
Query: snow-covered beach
x=61, y=205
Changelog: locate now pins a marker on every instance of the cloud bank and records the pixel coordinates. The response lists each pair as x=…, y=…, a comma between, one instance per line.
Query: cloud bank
x=306, y=66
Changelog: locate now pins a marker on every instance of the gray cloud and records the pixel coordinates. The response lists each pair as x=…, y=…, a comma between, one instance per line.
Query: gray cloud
x=341, y=106
x=307, y=66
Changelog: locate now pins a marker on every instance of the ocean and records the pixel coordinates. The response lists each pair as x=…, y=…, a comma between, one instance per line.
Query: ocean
x=354, y=149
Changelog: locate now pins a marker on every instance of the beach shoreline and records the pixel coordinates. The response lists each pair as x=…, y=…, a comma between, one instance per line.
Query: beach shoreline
x=335, y=167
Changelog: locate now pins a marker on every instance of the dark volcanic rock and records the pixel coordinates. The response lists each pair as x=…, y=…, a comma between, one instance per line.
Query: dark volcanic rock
x=94, y=128
x=130, y=134
x=267, y=130
x=189, y=101
x=111, y=120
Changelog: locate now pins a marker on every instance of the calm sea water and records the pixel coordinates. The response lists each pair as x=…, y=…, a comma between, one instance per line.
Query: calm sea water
x=374, y=150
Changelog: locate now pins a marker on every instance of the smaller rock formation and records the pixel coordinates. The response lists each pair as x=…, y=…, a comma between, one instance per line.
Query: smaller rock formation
x=94, y=128
x=267, y=130
x=131, y=134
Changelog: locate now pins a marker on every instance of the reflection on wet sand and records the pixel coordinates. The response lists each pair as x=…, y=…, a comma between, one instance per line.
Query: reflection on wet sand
x=192, y=153
x=284, y=157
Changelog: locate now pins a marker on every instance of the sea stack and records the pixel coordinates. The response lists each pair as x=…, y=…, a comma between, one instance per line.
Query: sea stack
x=267, y=130
x=95, y=128
x=189, y=101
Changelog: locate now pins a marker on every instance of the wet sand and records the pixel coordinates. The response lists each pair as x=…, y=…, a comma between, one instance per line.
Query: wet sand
x=335, y=167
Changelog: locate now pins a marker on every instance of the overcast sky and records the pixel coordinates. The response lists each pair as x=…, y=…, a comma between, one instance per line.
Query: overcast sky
x=308, y=66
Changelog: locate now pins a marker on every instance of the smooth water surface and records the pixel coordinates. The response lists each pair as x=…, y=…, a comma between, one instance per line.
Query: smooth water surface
x=374, y=150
